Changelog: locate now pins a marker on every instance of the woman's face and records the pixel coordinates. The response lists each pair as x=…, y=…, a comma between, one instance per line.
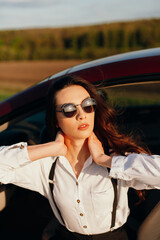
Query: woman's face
x=81, y=125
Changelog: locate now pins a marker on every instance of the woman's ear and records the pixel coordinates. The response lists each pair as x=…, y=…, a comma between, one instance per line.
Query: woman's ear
x=58, y=128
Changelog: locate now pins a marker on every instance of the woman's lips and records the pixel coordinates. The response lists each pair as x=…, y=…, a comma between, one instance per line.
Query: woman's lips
x=83, y=126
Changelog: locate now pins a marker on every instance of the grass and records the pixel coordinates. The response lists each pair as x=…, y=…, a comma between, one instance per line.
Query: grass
x=135, y=95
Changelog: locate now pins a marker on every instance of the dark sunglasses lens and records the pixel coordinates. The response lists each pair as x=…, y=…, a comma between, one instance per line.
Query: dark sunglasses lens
x=69, y=110
x=89, y=105
x=88, y=109
x=70, y=114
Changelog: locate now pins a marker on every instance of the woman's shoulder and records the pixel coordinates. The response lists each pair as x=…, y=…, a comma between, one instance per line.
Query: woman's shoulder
x=46, y=163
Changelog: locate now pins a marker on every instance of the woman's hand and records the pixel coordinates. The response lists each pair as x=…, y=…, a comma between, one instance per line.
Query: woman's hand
x=97, y=151
x=61, y=147
x=95, y=147
x=50, y=149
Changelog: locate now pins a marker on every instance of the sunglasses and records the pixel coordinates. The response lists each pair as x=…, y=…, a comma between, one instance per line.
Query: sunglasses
x=70, y=109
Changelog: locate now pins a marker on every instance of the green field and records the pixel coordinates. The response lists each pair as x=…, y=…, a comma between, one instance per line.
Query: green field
x=83, y=42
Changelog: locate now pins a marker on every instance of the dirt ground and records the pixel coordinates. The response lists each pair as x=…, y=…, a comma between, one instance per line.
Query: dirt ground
x=16, y=76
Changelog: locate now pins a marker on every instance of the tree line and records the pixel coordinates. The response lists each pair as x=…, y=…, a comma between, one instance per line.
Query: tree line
x=87, y=42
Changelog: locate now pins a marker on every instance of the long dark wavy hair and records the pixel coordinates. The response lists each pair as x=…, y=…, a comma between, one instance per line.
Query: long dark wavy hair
x=105, y=118
x=105, y=126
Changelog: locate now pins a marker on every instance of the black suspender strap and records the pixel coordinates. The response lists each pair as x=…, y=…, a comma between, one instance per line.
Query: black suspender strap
x=114, y=183
x=51, y=185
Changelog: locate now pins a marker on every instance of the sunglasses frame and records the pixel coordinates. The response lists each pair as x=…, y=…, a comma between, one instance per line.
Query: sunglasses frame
x=75, y=105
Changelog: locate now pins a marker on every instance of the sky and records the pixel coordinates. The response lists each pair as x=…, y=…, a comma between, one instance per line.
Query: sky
x=23, y=14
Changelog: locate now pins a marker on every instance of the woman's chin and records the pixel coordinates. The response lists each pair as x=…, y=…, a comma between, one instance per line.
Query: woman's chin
x=83, y=135
x=80, y=135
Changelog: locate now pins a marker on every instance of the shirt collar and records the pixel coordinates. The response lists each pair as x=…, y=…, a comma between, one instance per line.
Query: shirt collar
x=87, y=163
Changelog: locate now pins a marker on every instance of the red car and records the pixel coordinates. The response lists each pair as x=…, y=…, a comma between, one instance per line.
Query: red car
x=131, y=82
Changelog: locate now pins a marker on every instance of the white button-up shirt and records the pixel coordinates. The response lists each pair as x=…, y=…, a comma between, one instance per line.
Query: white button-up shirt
x=85, y=203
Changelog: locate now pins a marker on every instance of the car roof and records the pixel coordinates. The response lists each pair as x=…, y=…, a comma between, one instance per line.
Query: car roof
x=109, y=69
x=119, y=58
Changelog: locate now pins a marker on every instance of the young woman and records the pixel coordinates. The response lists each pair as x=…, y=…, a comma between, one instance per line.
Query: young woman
x=81, y=132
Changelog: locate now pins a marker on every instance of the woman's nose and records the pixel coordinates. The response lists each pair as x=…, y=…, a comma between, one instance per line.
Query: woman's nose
x=80, y=113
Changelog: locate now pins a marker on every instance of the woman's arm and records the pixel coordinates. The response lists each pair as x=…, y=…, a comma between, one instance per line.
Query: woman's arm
x=54, y=148
x=16, y=168
x=16, y=164
x=97, y=152
x=140, y=171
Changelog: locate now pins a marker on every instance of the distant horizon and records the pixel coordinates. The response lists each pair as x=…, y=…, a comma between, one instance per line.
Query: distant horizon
x=80, y=25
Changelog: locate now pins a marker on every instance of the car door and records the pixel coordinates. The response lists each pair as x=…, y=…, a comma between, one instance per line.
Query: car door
x=138, y=113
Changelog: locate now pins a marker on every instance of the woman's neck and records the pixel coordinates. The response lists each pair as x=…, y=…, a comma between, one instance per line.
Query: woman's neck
x=77, y=149
x=77, y=154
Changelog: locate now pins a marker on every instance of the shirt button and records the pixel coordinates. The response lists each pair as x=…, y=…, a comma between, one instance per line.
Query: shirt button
x=81, y=214
x=21, y=147
x=78, y=200
x=84, y=226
